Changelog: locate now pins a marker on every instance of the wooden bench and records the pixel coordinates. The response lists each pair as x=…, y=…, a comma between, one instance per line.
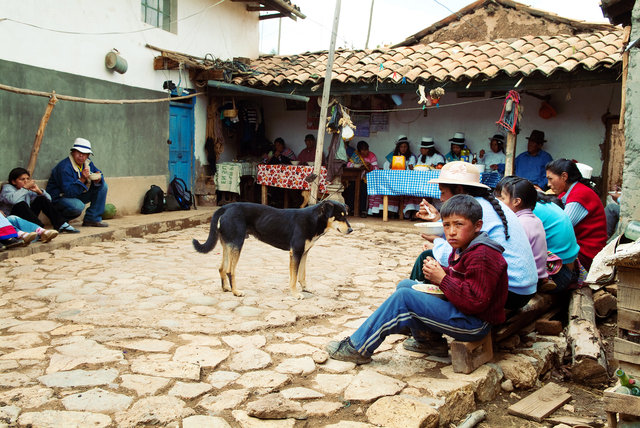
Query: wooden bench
x=468, y=356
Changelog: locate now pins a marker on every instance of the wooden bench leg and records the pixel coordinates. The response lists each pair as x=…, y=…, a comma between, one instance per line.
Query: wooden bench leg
x=468, y=356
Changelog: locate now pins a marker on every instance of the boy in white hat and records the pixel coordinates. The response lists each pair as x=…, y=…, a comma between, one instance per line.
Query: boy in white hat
x=429, y=155
x=76, y=181
x=457, y=143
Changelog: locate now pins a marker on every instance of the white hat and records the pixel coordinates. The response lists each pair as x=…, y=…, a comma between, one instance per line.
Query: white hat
x=458, y=138
x=427, y=142
x=462, y=173
x=82, y=145
x=402, y=139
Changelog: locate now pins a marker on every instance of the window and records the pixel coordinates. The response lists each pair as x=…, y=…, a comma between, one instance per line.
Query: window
x=157, y=13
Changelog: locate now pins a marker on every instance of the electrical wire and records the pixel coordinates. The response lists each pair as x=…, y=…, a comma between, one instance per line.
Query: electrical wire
x=109, y=32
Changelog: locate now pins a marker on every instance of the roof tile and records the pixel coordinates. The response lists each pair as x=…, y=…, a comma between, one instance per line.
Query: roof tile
x=442, y=61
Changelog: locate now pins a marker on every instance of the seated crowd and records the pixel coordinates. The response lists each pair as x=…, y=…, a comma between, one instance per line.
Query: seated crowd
x=500, y=248
x=74, y=182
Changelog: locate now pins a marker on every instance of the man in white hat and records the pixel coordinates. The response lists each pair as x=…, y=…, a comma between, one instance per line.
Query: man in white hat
x=429, y=155
x=76, y=181
x=457, y=144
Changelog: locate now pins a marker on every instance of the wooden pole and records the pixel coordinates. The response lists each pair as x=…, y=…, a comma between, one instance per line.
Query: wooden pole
x=313, y=198
x=510, y=154
x=40, y=133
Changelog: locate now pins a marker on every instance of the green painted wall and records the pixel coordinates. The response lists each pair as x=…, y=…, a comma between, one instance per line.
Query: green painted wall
x=128, y=140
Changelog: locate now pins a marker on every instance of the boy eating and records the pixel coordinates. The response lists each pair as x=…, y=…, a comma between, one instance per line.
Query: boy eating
x=474, y=284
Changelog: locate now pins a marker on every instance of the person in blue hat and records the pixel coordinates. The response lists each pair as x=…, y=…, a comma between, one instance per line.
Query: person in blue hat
x=74, y=182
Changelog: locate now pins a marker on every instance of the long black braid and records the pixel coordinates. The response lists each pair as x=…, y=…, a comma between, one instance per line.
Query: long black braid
x=488, y=195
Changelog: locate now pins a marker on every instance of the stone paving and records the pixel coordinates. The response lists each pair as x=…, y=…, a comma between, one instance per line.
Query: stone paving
x=138, y=332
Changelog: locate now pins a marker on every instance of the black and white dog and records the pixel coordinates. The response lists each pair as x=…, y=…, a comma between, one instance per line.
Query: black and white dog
x=292, y=229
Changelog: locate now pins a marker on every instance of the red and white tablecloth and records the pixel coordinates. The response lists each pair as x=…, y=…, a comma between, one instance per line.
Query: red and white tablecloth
x=290, y=176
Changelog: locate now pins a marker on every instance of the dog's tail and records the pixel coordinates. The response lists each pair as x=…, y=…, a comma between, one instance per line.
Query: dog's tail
x=212, y=239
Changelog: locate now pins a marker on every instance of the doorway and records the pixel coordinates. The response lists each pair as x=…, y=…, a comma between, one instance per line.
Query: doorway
x=613, y=154
x=181, y=130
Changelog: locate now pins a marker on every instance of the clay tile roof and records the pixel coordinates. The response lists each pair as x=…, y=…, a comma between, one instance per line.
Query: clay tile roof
x=443, y=61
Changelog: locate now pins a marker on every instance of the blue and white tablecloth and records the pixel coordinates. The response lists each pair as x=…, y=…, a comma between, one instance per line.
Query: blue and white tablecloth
x=413, y=182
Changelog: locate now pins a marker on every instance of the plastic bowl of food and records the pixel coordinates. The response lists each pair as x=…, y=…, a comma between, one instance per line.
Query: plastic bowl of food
x=430, y=227
x=295, y=162
x=311, y=163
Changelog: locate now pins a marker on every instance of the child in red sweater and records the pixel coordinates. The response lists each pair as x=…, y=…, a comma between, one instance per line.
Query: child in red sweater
x=474, y=285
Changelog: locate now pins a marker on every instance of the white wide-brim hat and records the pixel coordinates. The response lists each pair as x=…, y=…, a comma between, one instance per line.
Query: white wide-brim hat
x=458, y=138
x=402, y=139
x=462, y=173
x=82, y=145
x=427, y=142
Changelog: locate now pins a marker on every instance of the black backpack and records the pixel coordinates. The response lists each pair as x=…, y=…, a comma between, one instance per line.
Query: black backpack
x=183, y=196
x=153, y=201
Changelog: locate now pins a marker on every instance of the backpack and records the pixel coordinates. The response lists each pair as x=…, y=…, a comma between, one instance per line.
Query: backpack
x=183, y=196
x=153, y=201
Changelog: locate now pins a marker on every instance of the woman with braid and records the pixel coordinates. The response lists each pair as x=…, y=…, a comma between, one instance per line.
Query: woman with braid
x=500, y=223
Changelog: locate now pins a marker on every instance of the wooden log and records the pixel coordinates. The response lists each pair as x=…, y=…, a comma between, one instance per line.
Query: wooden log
x=548, y=326
x=473, y=419
x=604, y=303
x=588, y=361
x=538, y=305
x=40, y=133
x=510, y=154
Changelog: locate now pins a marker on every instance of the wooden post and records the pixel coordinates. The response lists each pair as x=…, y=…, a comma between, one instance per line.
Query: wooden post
x=40, y=133
x=324, y=107
x=510, y=154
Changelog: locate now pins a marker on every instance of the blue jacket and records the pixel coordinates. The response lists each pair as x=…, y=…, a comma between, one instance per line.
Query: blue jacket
x=521, y=267
x=561, y=238
x=64, y=181
x=533, y=167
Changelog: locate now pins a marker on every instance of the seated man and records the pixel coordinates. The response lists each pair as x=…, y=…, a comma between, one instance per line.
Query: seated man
x=76, y=181
x=474, y=284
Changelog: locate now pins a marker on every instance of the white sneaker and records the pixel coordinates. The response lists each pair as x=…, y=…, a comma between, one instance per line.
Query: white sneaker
x=48, y=235
x=28, y=237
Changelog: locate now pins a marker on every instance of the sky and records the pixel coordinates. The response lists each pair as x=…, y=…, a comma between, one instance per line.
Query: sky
x=393, y=21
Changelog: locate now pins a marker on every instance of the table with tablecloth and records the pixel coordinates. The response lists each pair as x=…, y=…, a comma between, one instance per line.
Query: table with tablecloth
x=288, y=177
x=387, y=182
x=228, y=175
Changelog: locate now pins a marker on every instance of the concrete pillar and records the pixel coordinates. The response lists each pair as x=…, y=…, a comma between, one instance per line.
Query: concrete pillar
x=630, y=206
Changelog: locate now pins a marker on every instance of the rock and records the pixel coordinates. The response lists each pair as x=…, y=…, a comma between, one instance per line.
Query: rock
x=336, y=366
x=485, y=380
x=60, y=418
x=249, y=359
x=304, y=365
x=9, y=414
x=507, y=385
x=300, y=393
x=200, y=339
x=320, y=357
x=242, y=342
x=96, y=400
x=38, y=353
x=144, y=385
x=14, y=379
x=26, y=398
x=275, y=406
x=41, y=326
x=519, y=369
x=280, y=318
x=402, y=411
x=75, y=378
x=145, y=345
x=322, y=408
x=21, y=341
x=263, y=379
x=85, y=351
x=546, y=354
x=201, y=421
x=332, y=383
x=452, y=398
x=189, y=390
x=247, y=421
x=220, y=379
x=158, y=410
x=350, y=424
x=292, y=349
x=399, y=363
x=170, y=369
x=368, y=385
x=229, y=399
x=203, y=356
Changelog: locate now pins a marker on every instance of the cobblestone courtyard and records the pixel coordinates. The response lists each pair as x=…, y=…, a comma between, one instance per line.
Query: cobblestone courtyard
x=138, y=332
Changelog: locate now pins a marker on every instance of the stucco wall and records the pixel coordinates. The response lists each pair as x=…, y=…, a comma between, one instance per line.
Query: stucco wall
x=575, y=132
x=630, y=207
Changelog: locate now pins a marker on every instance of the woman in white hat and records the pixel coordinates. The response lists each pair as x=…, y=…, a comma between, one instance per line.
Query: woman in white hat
x=457, y=144
x=429, y=155
x=500, y=223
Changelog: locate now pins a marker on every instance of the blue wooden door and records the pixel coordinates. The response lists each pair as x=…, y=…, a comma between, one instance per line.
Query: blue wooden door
x=181, y=130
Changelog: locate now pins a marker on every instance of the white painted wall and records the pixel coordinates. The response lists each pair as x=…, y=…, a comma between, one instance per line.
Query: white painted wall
x=225, y=30
x=574, y=133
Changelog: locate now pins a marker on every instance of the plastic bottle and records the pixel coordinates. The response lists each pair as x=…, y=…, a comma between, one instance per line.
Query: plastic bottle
x=464, y=154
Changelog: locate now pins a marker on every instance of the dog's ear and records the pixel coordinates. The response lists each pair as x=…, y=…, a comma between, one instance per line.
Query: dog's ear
x=326, y=209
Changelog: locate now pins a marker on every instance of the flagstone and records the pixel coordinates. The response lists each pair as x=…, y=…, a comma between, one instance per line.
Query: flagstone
x=143, y=385
x=249, y=359
x=169, y=369
x=75, y=378
x=72, y=355
x=97, y=400
x=189, y=390
x=61, y=418
x=229, y=399
x=201, y=421
x=220, y=379
x=145, y=345
x=159, y=410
